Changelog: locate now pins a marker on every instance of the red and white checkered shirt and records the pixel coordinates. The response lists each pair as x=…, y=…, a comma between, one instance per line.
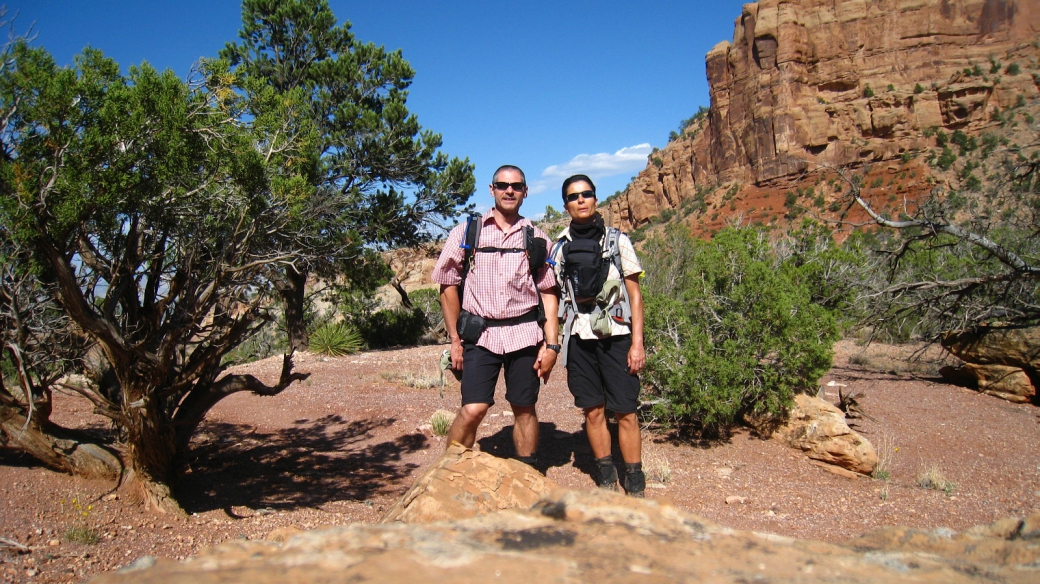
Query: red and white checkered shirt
x=499, y=285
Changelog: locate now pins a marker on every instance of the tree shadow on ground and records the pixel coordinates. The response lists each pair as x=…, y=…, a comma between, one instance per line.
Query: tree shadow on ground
x=14, y=457
x=310, y=464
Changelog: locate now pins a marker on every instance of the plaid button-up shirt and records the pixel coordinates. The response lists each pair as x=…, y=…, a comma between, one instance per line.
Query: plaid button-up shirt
x=499, y=285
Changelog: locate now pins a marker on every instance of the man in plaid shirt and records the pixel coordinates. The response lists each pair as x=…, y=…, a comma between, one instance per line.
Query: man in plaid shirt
x=500, y=288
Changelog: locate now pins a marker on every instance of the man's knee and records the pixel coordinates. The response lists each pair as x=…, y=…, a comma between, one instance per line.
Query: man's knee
x=472, y=414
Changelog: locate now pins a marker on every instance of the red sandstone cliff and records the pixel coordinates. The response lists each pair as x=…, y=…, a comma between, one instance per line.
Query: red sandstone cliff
x=789, y=95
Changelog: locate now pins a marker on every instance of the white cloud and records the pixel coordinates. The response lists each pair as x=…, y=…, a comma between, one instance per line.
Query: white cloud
x=596, y=166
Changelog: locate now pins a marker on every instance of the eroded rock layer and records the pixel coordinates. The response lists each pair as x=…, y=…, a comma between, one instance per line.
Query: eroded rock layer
x=806, y=84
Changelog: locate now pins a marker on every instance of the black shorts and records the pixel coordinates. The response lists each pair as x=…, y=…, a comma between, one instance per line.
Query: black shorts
x=597, y=374
x=480, y=369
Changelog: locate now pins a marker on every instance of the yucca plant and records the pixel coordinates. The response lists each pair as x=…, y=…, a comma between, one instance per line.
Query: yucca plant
x=336, y=339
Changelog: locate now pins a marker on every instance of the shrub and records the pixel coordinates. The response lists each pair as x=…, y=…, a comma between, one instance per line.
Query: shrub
x=867, y=91
x=946, y=159
x=731, y=326
x=335, y=339
x=657, y=161
x=1012, y=69
x=393, y=328
x=918, y=88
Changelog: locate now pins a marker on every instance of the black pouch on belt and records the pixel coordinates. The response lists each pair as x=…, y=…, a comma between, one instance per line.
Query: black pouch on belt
x=470, y=326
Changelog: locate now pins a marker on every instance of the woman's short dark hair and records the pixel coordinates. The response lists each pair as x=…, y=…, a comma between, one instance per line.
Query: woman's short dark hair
x=573, y=179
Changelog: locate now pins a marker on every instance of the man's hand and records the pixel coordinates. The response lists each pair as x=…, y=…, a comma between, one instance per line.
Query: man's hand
x=636, y=357
x=545, y=362
x=456, y=355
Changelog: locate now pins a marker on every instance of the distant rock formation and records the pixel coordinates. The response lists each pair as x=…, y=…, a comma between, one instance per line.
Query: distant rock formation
x=835, y=82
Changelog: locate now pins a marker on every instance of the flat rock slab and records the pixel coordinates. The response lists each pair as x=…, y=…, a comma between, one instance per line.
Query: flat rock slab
x=599, y=536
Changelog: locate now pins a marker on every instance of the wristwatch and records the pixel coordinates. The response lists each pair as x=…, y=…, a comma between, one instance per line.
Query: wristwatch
x=556, y=348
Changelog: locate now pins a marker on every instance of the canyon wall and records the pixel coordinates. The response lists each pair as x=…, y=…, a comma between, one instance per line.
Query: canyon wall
x=810, y=84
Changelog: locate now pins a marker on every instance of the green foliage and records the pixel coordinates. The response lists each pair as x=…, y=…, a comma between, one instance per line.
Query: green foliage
x=867, y=91
x=918, y=89
x=667, y=214
x=1012, y=69
x=941, y=139
x=336, y=339
x=656, y=160
x=354, y=165
x=392, y=327
x=732, y=325
x=946, y=159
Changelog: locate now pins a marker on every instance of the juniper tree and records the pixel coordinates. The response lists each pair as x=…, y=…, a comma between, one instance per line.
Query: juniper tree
x=365, y=173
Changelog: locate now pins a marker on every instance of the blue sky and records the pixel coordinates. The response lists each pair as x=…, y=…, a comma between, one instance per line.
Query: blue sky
x=556, y=88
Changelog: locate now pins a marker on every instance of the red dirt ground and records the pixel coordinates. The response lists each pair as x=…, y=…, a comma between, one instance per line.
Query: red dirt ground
x=343, y=445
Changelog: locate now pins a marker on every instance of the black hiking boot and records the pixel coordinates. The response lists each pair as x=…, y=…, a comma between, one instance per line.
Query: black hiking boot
x=607, y=474
x=531, y=461
x=635, y=480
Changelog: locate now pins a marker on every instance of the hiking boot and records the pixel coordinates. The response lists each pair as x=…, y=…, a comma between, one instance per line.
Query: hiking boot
x=608, y=477
x=635, y=480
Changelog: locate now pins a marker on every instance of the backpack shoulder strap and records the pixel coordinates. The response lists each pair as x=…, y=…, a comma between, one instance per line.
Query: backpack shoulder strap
x=469, y=246
x=613, y=248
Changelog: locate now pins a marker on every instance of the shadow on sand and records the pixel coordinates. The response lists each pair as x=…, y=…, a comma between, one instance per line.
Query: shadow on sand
x=307, y=465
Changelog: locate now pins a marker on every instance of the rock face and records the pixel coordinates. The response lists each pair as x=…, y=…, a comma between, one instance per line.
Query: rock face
x=604, y=537
x=819, y=429
x=1003, y=362
x=464, y=483
x=837, y=82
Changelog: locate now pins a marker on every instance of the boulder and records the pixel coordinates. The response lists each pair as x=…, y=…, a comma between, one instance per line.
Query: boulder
x=1016, y=347
x=465, y=483
x=1003, y=381
x=999, y=361
x=819, y=429
x=603, y=537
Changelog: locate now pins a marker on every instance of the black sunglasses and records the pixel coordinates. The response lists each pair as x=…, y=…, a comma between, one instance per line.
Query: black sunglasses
x=501, y=186
x=586, y=194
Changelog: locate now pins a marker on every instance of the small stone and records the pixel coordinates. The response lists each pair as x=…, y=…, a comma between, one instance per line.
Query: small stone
x=735, y=499
x=110, y=497
x=54, y=543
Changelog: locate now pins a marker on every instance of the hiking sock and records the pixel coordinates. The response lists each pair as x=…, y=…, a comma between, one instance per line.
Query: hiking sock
x=607, y=473
x=635, y=480
x=529, y=460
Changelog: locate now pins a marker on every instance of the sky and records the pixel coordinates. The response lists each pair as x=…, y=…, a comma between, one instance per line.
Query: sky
x=554, y=87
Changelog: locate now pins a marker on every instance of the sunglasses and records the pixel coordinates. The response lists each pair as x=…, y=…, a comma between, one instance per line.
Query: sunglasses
x=501, y=186
x=584, y=194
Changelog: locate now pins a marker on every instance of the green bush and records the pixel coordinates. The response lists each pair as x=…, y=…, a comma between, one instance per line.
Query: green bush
x=732, y=326
x=393, y=328
x=335, y=339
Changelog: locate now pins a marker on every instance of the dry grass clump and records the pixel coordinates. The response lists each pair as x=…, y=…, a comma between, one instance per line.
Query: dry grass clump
x=932, y=477
x=655, y=465
x=409, y=379
x=441, y=421
x=885, y=452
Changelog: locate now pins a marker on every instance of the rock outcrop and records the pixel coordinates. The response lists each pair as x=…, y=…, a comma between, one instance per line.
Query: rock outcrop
x=817, y=428
x=1003, y=362
x=809, y=84
x=465, y=483
x=604, y=537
